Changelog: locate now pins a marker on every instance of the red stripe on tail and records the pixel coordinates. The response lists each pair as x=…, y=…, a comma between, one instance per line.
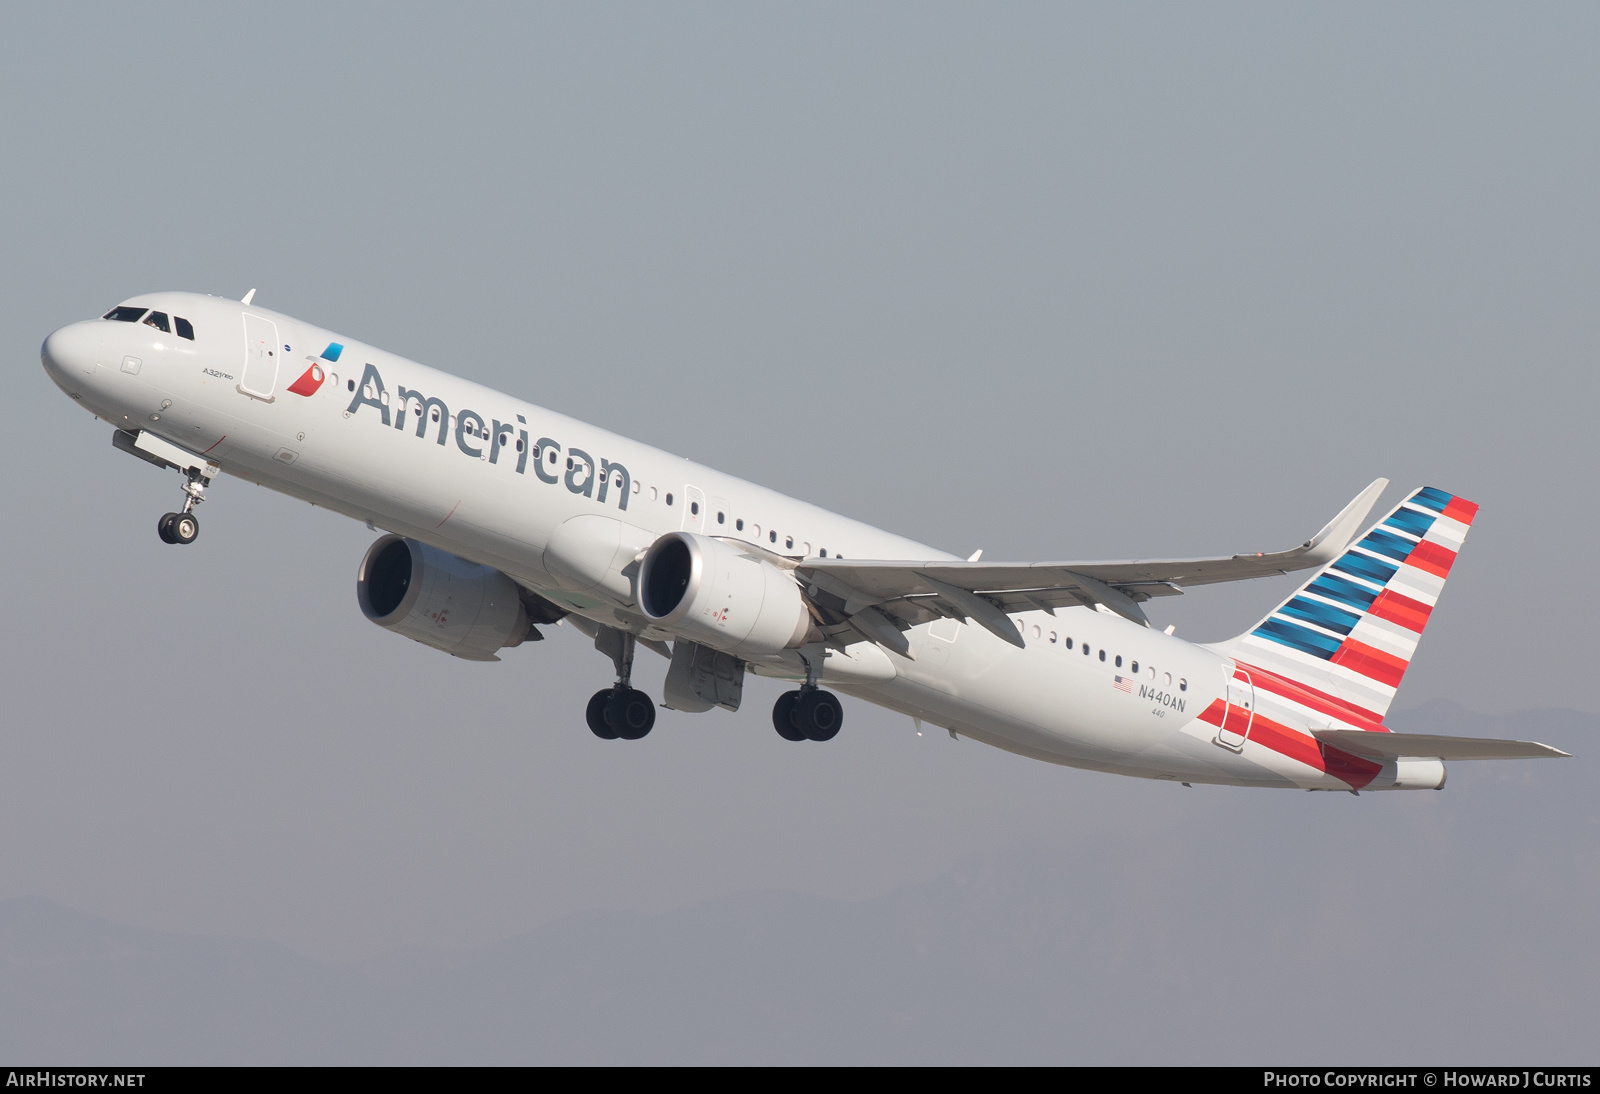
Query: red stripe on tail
x=1308, y=696
x=1298, y=745
x=1410, y=614
x=1432, y=557
x=1461, y=509
x=1385, y=668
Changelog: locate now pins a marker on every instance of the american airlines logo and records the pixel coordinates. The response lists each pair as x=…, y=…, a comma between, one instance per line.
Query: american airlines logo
x=312, y=378
x=583, y=474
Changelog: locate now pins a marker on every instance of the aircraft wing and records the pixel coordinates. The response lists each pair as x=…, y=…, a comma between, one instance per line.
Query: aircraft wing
x=1431, y=746
x=918, y=592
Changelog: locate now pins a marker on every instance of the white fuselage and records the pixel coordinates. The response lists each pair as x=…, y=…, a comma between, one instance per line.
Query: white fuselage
x=486, y=501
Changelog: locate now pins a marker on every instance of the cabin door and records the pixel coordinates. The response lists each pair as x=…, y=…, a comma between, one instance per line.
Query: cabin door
x=260, y=357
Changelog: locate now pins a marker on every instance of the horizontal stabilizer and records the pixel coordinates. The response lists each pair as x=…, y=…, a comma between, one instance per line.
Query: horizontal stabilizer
x=1431, y=746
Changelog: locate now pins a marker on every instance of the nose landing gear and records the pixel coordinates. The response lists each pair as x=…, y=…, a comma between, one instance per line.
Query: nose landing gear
x=184, y=526
x=178, y=528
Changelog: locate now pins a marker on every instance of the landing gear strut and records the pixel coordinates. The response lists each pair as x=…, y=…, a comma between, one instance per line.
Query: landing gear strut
x=621, y=710
x=184, y=526
x=808, y=713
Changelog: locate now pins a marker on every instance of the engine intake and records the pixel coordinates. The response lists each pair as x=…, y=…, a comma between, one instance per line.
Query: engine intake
x=711, y=592
x=435, y=598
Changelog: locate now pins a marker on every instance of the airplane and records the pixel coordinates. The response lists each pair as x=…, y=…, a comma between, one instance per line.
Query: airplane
x=499, y=517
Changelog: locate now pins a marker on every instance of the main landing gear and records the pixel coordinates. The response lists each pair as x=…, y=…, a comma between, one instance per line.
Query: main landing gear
x=808, y=713
x=621, y=711
x=184, y=526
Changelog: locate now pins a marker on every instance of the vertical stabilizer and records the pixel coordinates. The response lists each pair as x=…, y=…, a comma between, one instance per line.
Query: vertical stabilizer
x=1347, y=636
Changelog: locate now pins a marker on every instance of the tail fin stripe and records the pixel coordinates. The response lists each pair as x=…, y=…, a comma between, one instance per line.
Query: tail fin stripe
x=1448, y=533
x=1312, y=698
x=1414, y=521
x=1462, y=510
x=1435, y=558
x=1397, y=608
x=1345, y=592
x=1374, y=663
x=1386, y=636
x=1387, y=543
x=1299, y=638
x=1433, y=498
x=1365, y=567
x=1322, y=614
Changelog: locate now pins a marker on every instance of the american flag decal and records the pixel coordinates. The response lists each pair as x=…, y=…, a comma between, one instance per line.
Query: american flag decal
x=1122, y=683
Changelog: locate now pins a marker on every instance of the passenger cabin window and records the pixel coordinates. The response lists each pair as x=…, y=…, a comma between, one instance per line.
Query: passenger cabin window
x=738, y=525
x=772, y=537
x=722, y=518
x=158, y=320
x=1119, y=660
x=184, y=328
x=1102, y=655
x=669, y=499
x=125, y=314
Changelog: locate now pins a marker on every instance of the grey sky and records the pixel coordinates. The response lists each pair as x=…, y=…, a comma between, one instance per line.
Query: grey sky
x=1057, y=282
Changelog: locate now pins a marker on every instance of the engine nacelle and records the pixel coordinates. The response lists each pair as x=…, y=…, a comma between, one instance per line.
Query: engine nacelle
x=435, y=598
x=713, y=593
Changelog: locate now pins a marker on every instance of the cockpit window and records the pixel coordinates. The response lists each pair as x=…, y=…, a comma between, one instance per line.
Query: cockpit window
x=158, y=320
x=185, y=329
x=124, y=314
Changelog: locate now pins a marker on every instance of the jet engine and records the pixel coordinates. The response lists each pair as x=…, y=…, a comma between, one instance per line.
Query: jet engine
x=435, y=598
x=711, y=592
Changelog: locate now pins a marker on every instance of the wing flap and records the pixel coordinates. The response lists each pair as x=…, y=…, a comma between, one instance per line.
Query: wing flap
x=1431, y=746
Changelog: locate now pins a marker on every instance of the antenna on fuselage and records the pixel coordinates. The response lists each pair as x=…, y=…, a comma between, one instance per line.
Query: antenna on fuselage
x=247, y=297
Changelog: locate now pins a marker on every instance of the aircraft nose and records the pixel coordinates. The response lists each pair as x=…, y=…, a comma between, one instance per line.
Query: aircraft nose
x=72, y=350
